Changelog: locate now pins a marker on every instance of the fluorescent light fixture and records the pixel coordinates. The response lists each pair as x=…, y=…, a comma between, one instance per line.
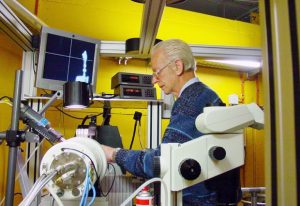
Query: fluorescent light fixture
x=243, y=63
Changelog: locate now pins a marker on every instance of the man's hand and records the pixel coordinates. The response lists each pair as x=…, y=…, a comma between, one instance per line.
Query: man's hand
x=109, y=153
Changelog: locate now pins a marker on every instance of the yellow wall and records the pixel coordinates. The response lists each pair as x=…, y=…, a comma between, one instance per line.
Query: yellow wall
x=198, y=28
x=120, y=20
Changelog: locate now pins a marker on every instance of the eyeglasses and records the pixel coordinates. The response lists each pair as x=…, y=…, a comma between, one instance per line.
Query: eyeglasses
x=157, y=72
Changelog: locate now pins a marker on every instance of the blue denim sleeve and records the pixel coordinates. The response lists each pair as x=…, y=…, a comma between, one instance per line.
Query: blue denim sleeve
x=138, y=162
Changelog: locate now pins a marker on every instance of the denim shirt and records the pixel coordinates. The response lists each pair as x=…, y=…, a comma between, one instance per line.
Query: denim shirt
x=182, y=129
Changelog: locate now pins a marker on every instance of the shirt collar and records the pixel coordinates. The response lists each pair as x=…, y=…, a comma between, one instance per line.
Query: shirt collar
x=188, y=83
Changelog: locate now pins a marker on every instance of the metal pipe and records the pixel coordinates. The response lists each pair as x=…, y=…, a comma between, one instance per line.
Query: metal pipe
x=10, y=185
x=2, y=135
x=26, y=15
x=46, y=106
x=50, y=101
x=254, y=191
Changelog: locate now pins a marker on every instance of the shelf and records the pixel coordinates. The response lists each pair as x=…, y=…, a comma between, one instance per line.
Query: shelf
x=124, y=103
x=114, y=102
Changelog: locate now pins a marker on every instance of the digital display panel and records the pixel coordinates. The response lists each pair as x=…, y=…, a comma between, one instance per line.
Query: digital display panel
x=130, y=78
x=132, y=92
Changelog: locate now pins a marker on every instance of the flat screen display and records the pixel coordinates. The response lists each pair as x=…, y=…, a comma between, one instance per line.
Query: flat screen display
x=66, y=57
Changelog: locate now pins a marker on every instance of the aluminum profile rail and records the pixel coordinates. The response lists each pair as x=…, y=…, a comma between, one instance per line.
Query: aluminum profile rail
x=112, y=48
x=32, y=21
x=152, y=14
x=13, y=27
x=200, y=52
x=116, y=48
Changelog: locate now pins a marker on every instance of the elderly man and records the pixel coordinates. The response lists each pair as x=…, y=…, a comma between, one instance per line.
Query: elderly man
x=174, y=68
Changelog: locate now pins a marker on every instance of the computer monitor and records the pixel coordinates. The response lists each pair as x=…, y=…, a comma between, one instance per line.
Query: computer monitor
x=65, y=56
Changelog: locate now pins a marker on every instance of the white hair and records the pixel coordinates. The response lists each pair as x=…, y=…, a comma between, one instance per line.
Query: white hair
x=177, y=49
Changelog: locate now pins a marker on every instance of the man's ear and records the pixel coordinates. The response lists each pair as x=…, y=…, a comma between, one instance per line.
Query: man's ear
x=179, y=67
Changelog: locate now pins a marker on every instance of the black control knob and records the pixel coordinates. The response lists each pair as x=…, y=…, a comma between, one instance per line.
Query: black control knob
x=156, y=166
x=190, y=169
x=217, y=153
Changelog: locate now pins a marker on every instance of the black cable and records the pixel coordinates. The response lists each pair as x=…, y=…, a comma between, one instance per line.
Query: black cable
x=134, y=130
x=91, y=94
x=33, y=62
x=74, y=117
x=68, y=114
x=45, y=92
x=142, y=147
x=112, y=184
x=106, y=96
x=7, y=97
x=44, y=195
x=18, y=193
x=106, y=113
x=84, y=120
x=106, y=120
x=89, y=117
x=62, y=149
x=98, y=177
x=137, y=117
x=111, y=97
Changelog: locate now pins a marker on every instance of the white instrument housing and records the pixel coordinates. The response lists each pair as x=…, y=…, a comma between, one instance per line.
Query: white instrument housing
x=230, y=119
x=221, y=149
x=74, y=155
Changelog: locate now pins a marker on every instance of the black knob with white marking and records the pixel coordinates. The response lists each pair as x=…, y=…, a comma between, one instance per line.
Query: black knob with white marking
x=190, y=169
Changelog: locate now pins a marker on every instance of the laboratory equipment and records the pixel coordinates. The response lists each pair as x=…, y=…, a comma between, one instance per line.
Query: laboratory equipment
x=183, y=165
x=69, y=170
x=135, y=92
x=39, y=123
x=133, y=79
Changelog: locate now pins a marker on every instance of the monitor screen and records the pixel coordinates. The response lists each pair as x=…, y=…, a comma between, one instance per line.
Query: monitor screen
x=66, y=57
